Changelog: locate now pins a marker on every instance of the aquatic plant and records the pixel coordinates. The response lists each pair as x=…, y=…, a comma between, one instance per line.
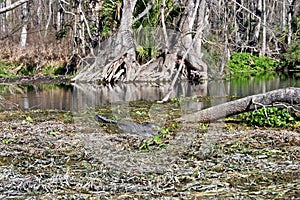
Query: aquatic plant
x=269, y=117
x=248, y=62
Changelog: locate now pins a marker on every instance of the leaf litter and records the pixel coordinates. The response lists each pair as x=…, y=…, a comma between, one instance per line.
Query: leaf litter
x=52, y=159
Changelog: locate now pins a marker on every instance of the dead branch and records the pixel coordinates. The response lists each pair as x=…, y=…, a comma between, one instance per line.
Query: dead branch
x=12, y=6
x=142, y=14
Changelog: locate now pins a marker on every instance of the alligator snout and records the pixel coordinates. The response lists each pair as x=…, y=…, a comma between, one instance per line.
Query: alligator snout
x=131, y=127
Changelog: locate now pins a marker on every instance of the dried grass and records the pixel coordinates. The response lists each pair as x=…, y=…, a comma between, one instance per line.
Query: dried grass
x=77, y=161
x=37, y=54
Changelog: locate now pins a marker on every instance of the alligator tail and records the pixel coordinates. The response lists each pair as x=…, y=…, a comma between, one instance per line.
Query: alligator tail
x=100, y=118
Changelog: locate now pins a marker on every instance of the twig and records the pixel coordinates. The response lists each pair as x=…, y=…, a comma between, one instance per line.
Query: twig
x=261, y=105
x=288, y=107
x=142, y=14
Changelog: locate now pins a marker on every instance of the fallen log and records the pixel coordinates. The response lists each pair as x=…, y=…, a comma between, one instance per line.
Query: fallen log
x=289, y=95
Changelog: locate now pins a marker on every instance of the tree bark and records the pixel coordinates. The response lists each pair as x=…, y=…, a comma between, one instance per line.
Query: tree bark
x=288, y=95
x=264, y=34
x=23, y=38
x=49, y=18
x=283, y=27
x=290, y=12
x=256, y=33
x=239, y=20
x=116, y=62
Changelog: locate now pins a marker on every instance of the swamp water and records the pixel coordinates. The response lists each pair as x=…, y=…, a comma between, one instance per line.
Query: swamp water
x=79, y=97
x=139, y=100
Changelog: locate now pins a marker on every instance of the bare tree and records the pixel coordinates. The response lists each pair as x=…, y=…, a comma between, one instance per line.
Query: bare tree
x=289, y=20
x=23, y=39
x=264, y=33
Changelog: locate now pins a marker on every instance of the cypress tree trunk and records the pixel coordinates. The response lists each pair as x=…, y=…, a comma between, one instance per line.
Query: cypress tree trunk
x=116, y=61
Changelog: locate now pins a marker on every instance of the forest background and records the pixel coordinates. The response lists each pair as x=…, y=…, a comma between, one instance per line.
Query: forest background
x=54, y=36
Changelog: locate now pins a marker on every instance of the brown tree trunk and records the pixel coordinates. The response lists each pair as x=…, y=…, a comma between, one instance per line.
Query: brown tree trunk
x=288, y=95
x=116, y=61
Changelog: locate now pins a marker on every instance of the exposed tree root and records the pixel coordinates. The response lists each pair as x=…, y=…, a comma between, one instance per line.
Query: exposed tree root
x=126, y=69
x=181, y=57
x=290, y=96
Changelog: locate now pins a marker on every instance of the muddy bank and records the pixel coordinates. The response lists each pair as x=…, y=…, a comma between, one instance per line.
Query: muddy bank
x=36, y=79
x=48, y=157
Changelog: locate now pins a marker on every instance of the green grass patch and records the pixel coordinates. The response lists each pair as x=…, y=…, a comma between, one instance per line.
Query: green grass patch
x=6, y=69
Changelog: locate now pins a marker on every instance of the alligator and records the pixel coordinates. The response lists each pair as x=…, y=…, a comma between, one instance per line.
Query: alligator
x=147, y=129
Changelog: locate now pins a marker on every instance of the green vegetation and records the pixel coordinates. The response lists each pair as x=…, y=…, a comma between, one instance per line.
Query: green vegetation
x=153, y=18
x=9, y=140
x=11, y=70
x=52, y=70
x=6, y=69
x=245, y=62
x=291, y=59
x=146, y=27
x=269, y=117
x=2, y=72
x=27, y=70
x=160, y=140
x=110, y=17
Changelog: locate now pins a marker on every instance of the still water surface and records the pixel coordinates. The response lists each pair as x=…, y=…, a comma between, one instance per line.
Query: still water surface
x=79, y=97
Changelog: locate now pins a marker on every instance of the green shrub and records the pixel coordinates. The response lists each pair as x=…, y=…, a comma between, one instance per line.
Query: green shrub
x=5, y=69
x=2, y=72
x=109, y=17
x=291, y=59
x=269, y=117
x=241, y=62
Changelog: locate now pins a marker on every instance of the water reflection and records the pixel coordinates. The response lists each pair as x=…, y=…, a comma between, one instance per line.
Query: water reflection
x=78, y=97
x=261, y=83
x=58, y=97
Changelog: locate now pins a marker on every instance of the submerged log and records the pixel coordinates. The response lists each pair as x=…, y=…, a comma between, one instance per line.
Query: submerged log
x=289, y=95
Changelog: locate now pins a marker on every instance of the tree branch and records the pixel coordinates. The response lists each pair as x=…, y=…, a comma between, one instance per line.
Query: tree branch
x=142, y=14
x=12, y=6
x=164, y=26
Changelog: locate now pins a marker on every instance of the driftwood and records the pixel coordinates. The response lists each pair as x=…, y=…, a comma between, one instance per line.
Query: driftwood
x=290, y=96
